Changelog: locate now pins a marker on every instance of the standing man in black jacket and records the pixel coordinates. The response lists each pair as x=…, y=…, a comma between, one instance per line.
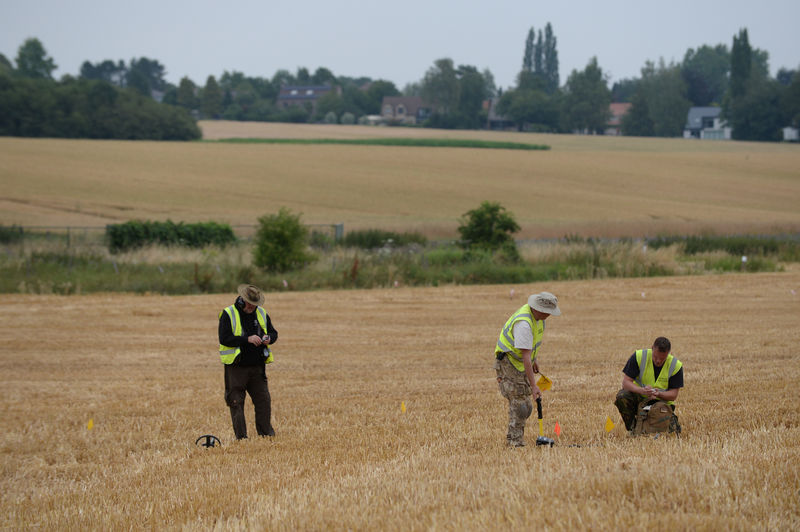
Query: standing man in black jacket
x=245, y=334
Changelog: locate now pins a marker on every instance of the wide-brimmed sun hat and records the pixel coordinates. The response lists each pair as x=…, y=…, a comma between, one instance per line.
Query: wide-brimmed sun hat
x=545, y=302
x=251, y=294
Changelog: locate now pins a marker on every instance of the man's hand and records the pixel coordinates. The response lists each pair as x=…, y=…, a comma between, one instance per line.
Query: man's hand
x=535, y=392
x=650, y=392
x=265, y=339
x=535, y=367
x=254, y=339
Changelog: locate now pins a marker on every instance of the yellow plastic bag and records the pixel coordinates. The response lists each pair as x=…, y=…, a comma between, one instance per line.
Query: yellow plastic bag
x=544, y=383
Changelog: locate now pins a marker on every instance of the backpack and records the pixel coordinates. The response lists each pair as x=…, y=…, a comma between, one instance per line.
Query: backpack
x=655, y=417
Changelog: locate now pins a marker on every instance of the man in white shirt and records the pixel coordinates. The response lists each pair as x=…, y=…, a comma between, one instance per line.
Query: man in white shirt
x=515, y=364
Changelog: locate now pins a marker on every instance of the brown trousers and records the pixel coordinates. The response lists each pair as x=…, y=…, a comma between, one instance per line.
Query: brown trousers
x=252, y=380
x=515, y=388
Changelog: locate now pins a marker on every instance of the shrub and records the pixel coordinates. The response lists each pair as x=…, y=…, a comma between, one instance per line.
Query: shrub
x=330, y=118
x=134, y=234
x=10, y=234
x=281, y=242
x=347, y=118
x=490, y=226
x=377, y=238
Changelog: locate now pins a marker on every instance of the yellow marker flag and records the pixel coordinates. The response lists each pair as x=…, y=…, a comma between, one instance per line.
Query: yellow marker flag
x=609, y=424
x=544, y=383
x=90, y=425
x=403, y=406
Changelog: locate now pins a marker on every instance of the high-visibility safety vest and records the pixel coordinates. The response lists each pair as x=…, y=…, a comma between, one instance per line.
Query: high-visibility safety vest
x=228, y=354
x=505, y=344
x=647, y=375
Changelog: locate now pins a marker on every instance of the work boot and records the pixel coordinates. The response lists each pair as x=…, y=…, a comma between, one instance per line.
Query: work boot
x=515, y=443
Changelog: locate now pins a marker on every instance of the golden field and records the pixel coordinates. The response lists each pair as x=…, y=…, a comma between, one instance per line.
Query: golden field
x=144, y=369
x=592, y=186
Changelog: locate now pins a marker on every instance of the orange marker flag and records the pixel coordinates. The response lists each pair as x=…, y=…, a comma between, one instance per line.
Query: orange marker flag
x=609, y=424
x=557, y=430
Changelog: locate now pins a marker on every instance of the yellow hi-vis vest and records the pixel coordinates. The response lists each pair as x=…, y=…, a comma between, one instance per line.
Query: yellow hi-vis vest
x=228, y=354
x=647, y=372
x=505, y=344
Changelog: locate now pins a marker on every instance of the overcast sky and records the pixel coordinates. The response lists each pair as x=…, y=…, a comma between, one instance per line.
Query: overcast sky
x=397, y=41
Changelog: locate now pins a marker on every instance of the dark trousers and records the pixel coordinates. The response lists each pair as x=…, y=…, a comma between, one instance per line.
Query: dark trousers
x=253, y=380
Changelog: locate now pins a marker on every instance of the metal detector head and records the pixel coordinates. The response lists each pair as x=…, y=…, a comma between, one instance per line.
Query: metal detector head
x=208, y=440
x=541, y=440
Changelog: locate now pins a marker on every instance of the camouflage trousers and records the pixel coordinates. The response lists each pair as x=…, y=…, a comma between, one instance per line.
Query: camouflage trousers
x=628, y=405
x=514, y=387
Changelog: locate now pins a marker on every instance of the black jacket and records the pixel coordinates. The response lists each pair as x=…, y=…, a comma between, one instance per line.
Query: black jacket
x=251, y=355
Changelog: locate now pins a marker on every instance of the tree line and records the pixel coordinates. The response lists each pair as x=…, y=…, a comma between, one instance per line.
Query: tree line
x=737, y=80
x=32, y=104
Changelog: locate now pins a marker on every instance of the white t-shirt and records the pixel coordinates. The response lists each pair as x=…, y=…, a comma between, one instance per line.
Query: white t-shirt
x=523, y=335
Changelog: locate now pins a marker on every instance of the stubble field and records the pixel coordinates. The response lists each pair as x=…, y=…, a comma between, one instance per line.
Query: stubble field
x=592, y=186
x=144, y=369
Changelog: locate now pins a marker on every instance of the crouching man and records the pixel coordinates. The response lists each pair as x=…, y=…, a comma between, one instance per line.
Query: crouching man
x=651, y=381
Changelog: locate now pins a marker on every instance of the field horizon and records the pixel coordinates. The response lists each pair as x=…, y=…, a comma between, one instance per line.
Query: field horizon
x=145, y=371
x=592, y=186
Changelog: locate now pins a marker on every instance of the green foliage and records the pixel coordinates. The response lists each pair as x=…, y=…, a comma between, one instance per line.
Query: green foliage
x=87, y=109
x=756, y=114
x=705, y=72
x=660, y=104
x=786, y=249
x=32, y=61
x=586, y=100
x=211, y=99
x=281, y=242
x=134, y=234
x=489, y=226
x=186, y=94
x=10, y=234
x=377, y=238
x=389, y=141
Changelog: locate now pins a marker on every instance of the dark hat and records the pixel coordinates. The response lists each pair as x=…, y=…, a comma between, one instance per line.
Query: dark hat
x=251, y=294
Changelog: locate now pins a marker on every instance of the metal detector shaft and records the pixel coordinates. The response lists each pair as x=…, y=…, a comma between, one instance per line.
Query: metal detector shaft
x=539, y=414
x=541, y=440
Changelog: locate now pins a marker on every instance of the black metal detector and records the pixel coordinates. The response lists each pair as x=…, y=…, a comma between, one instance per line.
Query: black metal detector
x=541, y=440
x=209, y=440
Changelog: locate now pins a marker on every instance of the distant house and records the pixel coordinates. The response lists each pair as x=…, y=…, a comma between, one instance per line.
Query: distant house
x=705, y=123
x=301, y=95
x=791, y=134
x=494, y=120
x=404, y=109
x=617, y=111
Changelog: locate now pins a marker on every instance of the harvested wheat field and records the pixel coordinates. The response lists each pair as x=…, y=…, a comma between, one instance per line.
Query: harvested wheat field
x=144, y=370
x=591, y=186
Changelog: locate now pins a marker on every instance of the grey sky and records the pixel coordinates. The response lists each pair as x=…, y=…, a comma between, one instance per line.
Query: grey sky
x=397, y=41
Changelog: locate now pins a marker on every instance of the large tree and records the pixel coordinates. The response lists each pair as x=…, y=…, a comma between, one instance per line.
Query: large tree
x=741, y=64
x=540, y=60
x=530, y=109
x=33, y=61
x=550, y=55
x=187, y=96
x=705, y=72
x=660, y=105
x=211, y=100
x=114, y=73
x=586, y=100
x=440, y=86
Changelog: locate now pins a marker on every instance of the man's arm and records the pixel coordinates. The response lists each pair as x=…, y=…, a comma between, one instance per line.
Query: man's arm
x=652, y=393
x=526, y=361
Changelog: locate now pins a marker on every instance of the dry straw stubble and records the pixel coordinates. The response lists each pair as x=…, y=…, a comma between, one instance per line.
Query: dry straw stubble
x=144, y=369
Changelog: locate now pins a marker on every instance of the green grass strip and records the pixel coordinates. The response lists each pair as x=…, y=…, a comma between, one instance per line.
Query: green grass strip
x=430, y=143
